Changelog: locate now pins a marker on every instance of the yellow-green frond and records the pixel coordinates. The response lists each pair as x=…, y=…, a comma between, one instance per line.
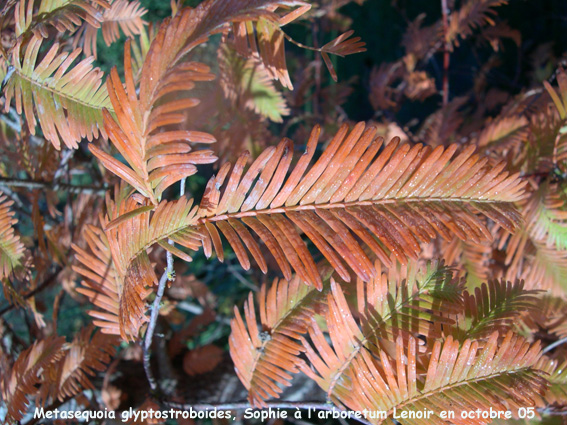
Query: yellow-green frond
x=66, y=101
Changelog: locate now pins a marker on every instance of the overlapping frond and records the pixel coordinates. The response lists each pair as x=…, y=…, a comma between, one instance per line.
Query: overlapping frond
x=104, y=287
x=418, y=40
x=388, y=307
x=496, y=34
x=473, y=14
x=549, y=223
x=263, y=39
x=20, y=382
x=559, y=98
x=556, y=374
x=53, y=370
x=456, y=377
x=11, y=247
x=407, y=301
x=117, y=267
x=130, y=236
x=419, y=86
x=122, y=15
x=494, y=306
x=265, y=358
x=391, y=200
x=503, y=131
x=544, y=268
x=64, y=15
x=536, y=253
x=441, y=126
x=473, y=258
x=245, y=82
x=157, y=159
x=83, y=357
x=67, y=102
x=550, y=317
x=140, y=48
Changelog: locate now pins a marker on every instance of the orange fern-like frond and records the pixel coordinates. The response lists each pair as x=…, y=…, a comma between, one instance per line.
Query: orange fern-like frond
x=473, y=258
x=391, y=201
x=104, y=287
x=556, y=373
x=122, y=15
x=388, y=307
x=157, y=159
x=264, y=39
x=550, y=317
x=118, y=269
x=472, y=14
x=87, y=354
x=11, y=248
x=537, y=252
x=342, y=46
x=246, y=83
x=559, y=99
x=502, y=132
x=67, y=102
x=456, y=377
x=64, y=15
x=20, y=382
x=267, y=356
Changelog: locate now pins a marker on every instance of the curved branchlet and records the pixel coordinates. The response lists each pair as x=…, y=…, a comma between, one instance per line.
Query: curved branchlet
x=391, y=198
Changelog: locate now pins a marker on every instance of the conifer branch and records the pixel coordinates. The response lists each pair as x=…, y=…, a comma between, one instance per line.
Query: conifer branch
x=56, y=186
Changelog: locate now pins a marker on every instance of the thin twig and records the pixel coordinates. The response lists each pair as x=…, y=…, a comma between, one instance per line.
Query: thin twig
x=148, y=338
x=554, y=345
x=551, y=411
x=151, y=328
x=446, y=57
x=298, y=44
x=39, y=184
